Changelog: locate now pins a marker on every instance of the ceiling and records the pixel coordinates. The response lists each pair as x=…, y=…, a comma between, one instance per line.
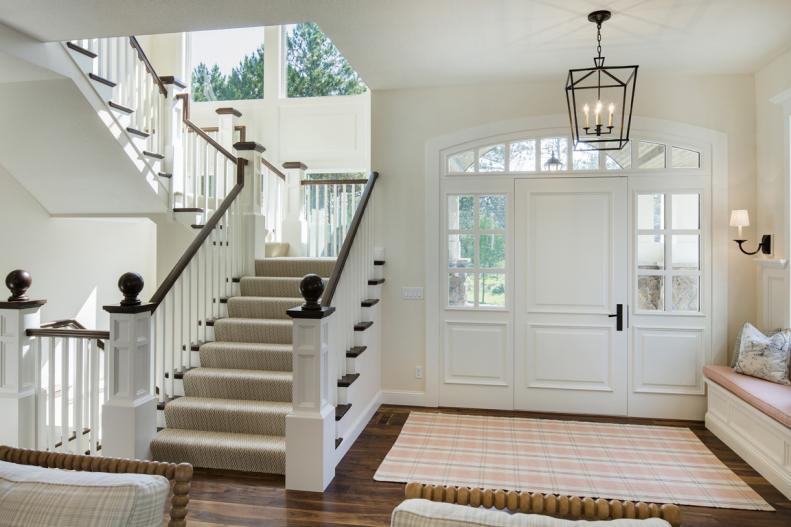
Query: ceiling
x=413, y=43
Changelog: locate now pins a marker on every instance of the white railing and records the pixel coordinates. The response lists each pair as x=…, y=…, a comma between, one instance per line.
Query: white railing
x=70, y=385
x=328, y=208
x=271, y=197
x=122, y=61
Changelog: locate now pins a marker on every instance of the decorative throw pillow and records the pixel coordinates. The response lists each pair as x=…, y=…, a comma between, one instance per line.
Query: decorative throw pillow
x=764, y=357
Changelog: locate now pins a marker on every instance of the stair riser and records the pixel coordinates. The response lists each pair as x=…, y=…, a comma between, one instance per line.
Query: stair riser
x=156, y=164
x=265, y=361
x=277, y=391
x=229, y=332
x=140, y=142
x=379, y=271
x=84, y=62
x=375, y=291
x=216, y=456
x=229, y=422
x=271, y=288
x=246, y=308
x=293, y=267
x=352, y=365
x=123, y=118
x=104, y=91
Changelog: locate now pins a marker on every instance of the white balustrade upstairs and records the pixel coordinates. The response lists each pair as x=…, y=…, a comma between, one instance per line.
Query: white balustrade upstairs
x=328, y=208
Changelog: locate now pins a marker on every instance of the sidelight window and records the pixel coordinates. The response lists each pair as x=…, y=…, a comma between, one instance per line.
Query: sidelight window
x=476, y=252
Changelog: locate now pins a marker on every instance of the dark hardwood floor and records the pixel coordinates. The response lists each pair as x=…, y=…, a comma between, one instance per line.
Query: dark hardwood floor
x=354, y=498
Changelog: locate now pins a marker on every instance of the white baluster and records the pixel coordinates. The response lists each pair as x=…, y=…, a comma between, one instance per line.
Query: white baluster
x=77, y=398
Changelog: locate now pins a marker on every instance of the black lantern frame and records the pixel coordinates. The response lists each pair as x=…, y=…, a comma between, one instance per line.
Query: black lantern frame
x=617, y=80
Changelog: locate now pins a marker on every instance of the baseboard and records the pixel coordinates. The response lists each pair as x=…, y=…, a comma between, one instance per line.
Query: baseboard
x=405, y=398
x=354, y=431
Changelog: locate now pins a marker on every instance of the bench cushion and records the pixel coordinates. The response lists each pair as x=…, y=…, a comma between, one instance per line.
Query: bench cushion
x=425, y=513
x=37, y=496
x=770, y=398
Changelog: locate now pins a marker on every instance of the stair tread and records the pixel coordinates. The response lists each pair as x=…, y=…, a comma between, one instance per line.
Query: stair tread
x=210, y=403
x=264, y=375
x=369, y=302
x=165, y=175
x=135, y=131
x=362, y=326
x=379, y=262
x=162, y=404
x=355, y=351
x=297, y=267
x=153, y=154
x=338, y=441
x=223, y=345
x=120, y=107
x=254, y=321
x=376, y=281
x=347, y=380
x=341, y=410
x=80, y=49
x=102, y=80
x=187, y=209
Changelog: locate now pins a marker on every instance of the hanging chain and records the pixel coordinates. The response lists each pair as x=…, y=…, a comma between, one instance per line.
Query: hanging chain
x=598, y=39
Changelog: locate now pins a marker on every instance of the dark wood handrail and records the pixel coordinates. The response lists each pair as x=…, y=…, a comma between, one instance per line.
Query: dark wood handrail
x=69, y=332
x=348, y=241
x=68, y=323
x=150, y=68
x=185, y=118
x=273, y=168
x=333, y=182
x=242, y=129
x=192, y=250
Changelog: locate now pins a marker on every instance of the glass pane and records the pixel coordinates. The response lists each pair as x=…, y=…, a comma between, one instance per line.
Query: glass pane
x=618, y=159
x=686, y=253
x=650, y=155
x=492, y=159
x=461, y=210
x=462, y=162
x=461, y=251
x=651, y=211
x=585, y=158
x=492, y=212
x=461, y=289
x=492, y=290
x=650, y=251
x=683, y=158
x=222, y=72
x=555, y=148
x=686, y=291
x=685, y=211
x=523, y=156
x=651, y=293
x=316, y=68
x=492, y=251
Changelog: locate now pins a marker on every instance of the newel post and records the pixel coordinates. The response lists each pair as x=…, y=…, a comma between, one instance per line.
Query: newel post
x=310, y=427
x=129, y=418
x=172, y=137
x=227, y=126
x=253, y=218
x=294, y=228
x=18, y=362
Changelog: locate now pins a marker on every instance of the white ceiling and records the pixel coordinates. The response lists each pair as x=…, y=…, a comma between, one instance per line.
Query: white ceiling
x=411, y=43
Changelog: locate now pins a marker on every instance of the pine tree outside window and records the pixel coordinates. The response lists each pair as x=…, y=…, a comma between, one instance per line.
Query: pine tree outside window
x=227, y=65
x=315, y=67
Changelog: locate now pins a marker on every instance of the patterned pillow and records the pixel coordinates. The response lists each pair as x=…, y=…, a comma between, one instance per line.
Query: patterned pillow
x=764, y=357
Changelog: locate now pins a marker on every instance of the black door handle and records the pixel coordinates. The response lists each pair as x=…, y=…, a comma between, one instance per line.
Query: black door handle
x=618, y=317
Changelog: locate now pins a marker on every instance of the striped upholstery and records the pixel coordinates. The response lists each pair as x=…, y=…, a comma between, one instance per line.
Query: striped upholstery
x=424, y=513
x=36, y=496
x=233, y=414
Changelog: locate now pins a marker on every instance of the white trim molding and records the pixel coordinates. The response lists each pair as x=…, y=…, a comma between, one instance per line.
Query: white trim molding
x=772, y=297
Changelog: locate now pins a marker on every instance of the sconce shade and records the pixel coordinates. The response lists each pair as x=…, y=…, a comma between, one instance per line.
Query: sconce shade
x=740, y=218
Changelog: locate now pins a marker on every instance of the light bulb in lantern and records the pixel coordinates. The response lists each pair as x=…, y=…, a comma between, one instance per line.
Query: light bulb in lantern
x=598, y=112
x=586, y=109
x=612, y=111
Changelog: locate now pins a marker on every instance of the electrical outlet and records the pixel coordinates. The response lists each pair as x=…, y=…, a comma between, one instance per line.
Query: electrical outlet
x=418, y=372
x=412, y=293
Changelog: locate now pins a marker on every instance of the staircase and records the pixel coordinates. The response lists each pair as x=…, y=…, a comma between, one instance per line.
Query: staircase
x=233, y=412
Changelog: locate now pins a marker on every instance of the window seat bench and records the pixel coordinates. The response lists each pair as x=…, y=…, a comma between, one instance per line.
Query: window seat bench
x=752, y=417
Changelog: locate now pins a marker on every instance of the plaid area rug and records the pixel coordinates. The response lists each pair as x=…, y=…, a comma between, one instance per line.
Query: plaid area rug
x=659, y=464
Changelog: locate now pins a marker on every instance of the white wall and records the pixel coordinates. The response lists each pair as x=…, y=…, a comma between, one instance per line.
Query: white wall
x=75, y=262
x=403, y=120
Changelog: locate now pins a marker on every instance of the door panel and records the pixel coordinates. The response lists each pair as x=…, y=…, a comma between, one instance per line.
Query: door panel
x=570, y=274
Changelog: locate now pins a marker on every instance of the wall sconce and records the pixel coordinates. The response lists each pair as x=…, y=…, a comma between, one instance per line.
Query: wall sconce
x=739, y=219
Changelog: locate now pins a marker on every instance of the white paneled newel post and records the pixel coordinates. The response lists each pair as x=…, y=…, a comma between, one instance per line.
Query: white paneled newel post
x=18, y=363
x=294, y=232
x=129, y=418
x=310, y=427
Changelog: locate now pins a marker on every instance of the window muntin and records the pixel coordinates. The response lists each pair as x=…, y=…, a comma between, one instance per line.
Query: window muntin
x=531, y=155
x=668, y=254
x=476, y=251
x=227, y=65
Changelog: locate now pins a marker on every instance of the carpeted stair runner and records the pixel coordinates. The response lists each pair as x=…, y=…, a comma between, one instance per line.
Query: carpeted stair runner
x=233, y=414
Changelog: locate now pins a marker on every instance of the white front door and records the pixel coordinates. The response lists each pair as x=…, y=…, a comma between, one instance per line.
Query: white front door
x=570, y=272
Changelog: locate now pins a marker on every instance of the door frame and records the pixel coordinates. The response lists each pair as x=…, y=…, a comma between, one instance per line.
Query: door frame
x=669, y=131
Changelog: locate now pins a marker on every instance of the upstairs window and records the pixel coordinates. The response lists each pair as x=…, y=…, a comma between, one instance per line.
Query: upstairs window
x=316, y=67
x=227, y=65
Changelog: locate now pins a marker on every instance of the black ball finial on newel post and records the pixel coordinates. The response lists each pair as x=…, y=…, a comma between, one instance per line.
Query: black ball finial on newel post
x=311, y=287
x=18, y=282
x=130, y=285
